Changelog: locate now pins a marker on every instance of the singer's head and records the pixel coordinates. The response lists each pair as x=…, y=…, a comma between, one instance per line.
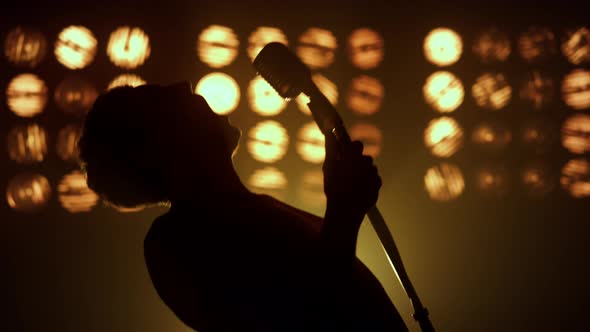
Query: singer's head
x=143, y=145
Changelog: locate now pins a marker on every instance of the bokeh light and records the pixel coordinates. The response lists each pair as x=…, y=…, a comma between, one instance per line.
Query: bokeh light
x=443, y=91
x=575, y=178
x=492, y=45
x=218, y=46
x=443, y=137
x=126, y=80
x=75, y=47
x=538, y=135
x=28, y=192
x=26, y=95
x=262, y=36
x=491, y=91
x=537, y=44
x=66, y=145
x=371, y=137
x=128, y=47
x=310, y=190
x=537, y=90
x=25, y=47
x=443, y=47
x=74, y=194
x=575, y=88
x=221, y=92
x=575, y=133
x=491, y=136
x=576, y=45
x=263, y=99
x=317, y=48
x=327, y=88
x=444, y=182
x=311, y=143
x=268, y=141
x=27, y=144
x=492, y=181
x=75, y=96
x=269, y=181
x=365, y=95
x=365, y=48
x=537, y=180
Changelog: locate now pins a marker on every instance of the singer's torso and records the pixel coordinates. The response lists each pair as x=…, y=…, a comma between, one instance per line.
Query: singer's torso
x=249, y=268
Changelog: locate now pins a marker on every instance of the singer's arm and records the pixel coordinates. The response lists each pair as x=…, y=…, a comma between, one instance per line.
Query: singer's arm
x=338, y=236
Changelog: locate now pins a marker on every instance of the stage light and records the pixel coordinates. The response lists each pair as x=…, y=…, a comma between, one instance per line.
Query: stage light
x=75, y=96
x=27, y=144
x=67, y=139
x=128, y=47
x=443, y=91
x=217, y=46
x=575, y=133
x=575, y=178
x=365, y=95
x=443, y=47
x=221, y=92
x=317, y=48
x=310, y=145
x=268, y=141
x=311, y=189
x=537, y=180
x=371, y=137
x=575, y=88
x=443, y=137
x=538, y=135
x=327, y=88
x=26, y=95
x=492, y=45
x=28, y=192
x=491, y=136
x=74, y=194
x=537, y=44
x=263, y=99
x=444, y=182
x=270, y=181
x=126, y=80
x=576, y=45
x=365, y=48
x=25, y=47
x=75, y=47
x=262, y=36
x=537, y=90
x=491, y=91
x=492, y=181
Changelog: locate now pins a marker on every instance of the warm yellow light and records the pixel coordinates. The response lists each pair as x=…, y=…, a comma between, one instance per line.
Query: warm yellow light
x=75, y=96
x=575, y=88
x=491, y=181
x=371, y=137
x=270, y=181
x=443, y=137
x=264, y=100
x=310, y=145
x=67, y=139
x=538, y=135
x=576, y=45
x=26, y=95
x=221, y=92
x=575, y=133
x=492, y=45
x=268, y=141
x=443, y=91
x=317, y=48
x=365, y=95
x=491, y=136
x=25, y=47
x=310, y=191
x=75, y=47
x=128, y=209
x=28, y=192
x=27, y=144
x=537, y=180
x=537, y=44
x=575, y=178
x=537, y=90
x=262, y=36
x=444, y=182
x=328, y=89
x=443, y=47
x=74, y=194
x=491, y=91
x=126, y=80
x=217, y=46
x=128, y=47
x=365, y=48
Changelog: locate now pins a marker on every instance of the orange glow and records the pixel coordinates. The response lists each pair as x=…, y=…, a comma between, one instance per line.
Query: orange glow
x=492, y=181
x=576, y=45
x=270, y=181
x=310, y=145
x=67, y=139
x=443, y=91
x=75, y=96
x=25, y=47
x=26, y=95
x=537, y=44
x=371, y=137
x=443, y=47
x=329, y=89
x=575, y=178
x=443, y=137
x=365, y=95
x=365, y=48
x=264, y=100
x=217, y=46
x=75, y=47
x=491, y=46
x=317, y=48
x=537, y=90
x=537, y=180
x=575, y=88
x=262, y=36
x=444, y=182
x=221, y=92
x=127, y=209
x=27, y=144
x=538, y=135
x=74, y=194
x=575, y=133
x=268, y=141
x=128, y=47
x=311, y=190
x=28, y=192
x=491, y=91
x=126, y=80
x=491, y=136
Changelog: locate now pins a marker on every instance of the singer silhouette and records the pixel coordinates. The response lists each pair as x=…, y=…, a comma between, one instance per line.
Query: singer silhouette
x=223, y=258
